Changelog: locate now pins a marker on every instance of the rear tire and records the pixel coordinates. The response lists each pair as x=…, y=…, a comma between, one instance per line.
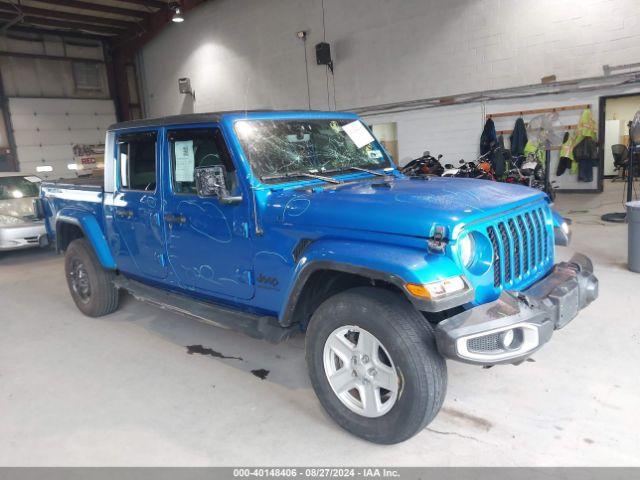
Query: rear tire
x=407, y=346
x=91, y=285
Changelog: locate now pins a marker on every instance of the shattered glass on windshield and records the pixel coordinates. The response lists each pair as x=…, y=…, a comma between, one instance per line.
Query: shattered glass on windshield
x=280, y=149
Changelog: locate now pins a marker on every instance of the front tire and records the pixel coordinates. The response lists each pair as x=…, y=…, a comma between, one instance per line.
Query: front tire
x=374, y=365
x=91, y=286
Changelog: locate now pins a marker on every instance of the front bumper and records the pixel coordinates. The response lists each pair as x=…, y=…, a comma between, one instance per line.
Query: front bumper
x=24, y=235
x=511, y=328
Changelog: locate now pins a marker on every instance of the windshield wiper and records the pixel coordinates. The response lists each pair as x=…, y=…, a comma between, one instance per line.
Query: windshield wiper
x=360, y=169
x=300, y=174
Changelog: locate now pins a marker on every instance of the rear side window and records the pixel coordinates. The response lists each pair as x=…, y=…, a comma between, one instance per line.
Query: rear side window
x=137, y=158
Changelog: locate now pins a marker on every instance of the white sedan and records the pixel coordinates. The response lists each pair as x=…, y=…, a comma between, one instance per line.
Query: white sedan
x=19, y=227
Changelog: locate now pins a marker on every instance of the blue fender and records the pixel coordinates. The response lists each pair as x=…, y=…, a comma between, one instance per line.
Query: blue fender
x=92, y=231
x=393, y=264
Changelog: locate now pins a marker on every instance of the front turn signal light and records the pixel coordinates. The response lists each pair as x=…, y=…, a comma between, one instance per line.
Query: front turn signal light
x=435, y=290
x=417, y=290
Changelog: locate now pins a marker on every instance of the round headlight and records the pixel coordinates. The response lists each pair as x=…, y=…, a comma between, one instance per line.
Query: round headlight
x=466, y=250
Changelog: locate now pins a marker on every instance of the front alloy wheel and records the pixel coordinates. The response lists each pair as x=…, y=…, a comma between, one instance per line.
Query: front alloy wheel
x=374, y=364
x=361, y=371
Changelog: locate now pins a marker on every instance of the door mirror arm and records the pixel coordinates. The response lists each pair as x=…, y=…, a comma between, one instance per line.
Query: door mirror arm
x=231, y=200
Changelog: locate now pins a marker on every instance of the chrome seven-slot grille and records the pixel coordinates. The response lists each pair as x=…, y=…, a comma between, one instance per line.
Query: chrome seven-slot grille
x=520, y=245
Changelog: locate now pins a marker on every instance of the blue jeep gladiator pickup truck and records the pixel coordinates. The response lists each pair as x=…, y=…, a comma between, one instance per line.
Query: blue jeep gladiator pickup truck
x=278, y=222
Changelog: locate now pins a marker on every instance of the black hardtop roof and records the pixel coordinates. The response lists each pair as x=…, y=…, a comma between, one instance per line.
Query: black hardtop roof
x=192, y=118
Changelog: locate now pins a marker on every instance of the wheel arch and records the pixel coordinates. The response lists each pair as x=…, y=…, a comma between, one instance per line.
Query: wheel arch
x=347, y=264
x=322, y=279
x=70, y=225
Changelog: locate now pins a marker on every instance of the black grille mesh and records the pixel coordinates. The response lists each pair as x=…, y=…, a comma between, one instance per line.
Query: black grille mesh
x=506, y=244
x=497, y=278
x=525, y=244
x=545, y=234
x=516, y=247
x=532, y=238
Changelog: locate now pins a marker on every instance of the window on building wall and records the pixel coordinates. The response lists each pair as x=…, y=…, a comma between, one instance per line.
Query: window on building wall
x=87, y=76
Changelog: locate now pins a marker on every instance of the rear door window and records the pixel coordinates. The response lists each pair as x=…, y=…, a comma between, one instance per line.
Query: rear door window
x=137, y=159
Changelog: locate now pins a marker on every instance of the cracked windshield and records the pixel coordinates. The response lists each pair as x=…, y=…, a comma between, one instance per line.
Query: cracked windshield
x=287, y=149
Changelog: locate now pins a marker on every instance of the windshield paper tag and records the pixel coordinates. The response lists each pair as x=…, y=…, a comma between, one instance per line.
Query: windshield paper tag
x=33, y=179
x=185, y=162
x=358, y=133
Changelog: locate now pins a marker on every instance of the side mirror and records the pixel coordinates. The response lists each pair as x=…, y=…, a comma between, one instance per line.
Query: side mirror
x=211, y=182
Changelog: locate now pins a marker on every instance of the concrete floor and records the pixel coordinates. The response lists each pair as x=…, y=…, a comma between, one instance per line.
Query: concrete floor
x=123, y=390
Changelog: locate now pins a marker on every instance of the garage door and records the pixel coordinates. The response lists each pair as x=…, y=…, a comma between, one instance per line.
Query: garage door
x=45, y=131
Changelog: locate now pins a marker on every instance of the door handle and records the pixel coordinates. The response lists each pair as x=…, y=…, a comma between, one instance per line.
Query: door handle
x=124, y=213
x=175, y=218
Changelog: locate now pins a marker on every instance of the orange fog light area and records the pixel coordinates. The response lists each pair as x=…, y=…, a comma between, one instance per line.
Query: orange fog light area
x=417, y=290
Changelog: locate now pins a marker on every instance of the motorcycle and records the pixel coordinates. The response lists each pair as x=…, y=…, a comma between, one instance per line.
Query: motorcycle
x=450, y=170
x=529, y=171
x=425, y=165
x=481, y=169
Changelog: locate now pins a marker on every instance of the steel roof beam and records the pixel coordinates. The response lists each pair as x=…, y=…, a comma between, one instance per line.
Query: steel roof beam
x=97, y=7
x=61, y=15
x=148, y=3
x=85, y=27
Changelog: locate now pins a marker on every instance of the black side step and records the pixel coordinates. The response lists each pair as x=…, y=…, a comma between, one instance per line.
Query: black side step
x=260, y=327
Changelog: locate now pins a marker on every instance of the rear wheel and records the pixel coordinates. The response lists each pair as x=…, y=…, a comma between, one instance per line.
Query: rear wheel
x=374, y=365
x=91, y=286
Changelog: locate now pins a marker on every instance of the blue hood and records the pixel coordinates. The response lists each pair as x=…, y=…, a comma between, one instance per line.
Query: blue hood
x=406, y=207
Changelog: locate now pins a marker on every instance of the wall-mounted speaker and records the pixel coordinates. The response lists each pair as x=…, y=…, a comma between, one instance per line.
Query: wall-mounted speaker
x=323, y=54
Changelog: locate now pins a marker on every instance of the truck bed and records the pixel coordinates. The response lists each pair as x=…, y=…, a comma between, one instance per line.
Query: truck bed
x=80, y=183
x=75, y=196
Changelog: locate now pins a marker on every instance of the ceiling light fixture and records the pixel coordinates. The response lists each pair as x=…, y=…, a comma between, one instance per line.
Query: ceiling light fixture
x=177, y=12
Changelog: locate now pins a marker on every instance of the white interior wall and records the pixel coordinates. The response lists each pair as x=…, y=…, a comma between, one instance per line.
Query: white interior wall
x=244, y=54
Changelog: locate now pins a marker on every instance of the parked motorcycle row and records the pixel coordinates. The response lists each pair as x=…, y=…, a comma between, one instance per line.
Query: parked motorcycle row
x=496, y=165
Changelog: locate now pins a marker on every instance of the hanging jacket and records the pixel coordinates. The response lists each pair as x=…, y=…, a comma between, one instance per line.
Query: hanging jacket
x=586, y=155
x=537, y=152
x=488, y=139
x=586, y=127
x=518, y=138
x=585, y=146
x=566, y=155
